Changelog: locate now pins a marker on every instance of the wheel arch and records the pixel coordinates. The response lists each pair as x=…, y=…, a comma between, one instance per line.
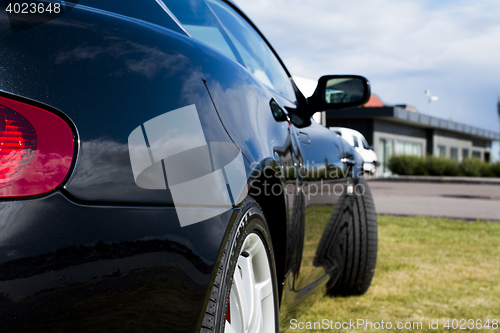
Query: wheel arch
x=273, y=205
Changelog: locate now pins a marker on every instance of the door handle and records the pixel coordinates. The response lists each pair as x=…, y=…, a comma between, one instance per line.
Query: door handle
x=348, y=161
x=304, y=138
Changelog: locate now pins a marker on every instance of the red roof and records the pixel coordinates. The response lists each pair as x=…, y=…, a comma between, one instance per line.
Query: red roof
x=374, y=101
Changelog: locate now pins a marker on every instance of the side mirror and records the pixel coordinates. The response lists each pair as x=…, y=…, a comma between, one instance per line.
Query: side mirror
x=336, y=92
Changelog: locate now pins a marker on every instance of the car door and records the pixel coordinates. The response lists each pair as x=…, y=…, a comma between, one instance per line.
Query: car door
x=260, y=60
x=253, y=107
x=309, y=154
x=317, y=155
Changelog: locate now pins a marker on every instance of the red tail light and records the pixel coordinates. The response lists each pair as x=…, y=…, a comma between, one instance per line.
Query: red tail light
x=17, y=143
x=36, y=149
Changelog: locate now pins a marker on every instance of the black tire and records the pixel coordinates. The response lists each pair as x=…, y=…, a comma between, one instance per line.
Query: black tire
x=250, y=221
x=359, y=255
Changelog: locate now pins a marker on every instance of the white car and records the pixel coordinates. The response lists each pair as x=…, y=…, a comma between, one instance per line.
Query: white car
x=358, y=141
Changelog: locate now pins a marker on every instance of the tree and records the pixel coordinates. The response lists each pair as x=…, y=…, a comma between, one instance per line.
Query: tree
x=498, y=107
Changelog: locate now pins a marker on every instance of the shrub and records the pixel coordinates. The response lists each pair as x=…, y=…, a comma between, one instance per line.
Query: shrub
x=495, y=168
x=407, y=165
x=441, y=166
x=475, y=167
x=410, y=165
x=452, y=168
x=486, y=170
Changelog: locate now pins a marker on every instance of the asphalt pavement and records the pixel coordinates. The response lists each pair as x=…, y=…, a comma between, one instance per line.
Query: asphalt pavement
x=467, y=201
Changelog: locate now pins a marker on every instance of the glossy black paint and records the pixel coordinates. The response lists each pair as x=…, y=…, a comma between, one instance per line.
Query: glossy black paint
x=58, y=254
x=101, y=253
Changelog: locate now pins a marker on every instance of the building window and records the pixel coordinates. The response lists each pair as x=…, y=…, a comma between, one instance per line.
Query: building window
x=384, y=153
x=441, y=151
x=476, y=154
x=454, y=153
x=408, y=148
x=465, y=153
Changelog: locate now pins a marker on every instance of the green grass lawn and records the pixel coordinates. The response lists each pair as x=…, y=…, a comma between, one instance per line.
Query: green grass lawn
x=427, y=268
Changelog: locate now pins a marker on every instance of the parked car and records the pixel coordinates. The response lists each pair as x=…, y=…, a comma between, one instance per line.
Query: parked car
x=159, y=171
x=358, y=141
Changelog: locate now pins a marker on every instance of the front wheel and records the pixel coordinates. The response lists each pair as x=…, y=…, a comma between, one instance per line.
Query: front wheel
x=244, y=296
x=358, y=241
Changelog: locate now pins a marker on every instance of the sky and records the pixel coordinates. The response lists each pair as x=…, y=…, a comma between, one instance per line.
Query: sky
x=403, y=47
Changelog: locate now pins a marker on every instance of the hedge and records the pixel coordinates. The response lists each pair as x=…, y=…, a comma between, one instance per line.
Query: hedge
x=410, y=165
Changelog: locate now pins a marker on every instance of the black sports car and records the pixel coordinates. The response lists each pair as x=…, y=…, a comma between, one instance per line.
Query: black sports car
x=159, y=171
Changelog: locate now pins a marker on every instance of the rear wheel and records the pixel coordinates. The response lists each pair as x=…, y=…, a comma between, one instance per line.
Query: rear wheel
x=244, y=296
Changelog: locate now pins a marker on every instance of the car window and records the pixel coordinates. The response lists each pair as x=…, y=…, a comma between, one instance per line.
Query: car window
x=365, y=144
x=148, y=11
x=355, y=141
x=200, y=22
x=257, y=57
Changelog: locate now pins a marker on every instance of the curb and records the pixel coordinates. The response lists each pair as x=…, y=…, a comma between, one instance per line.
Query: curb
x=453, y=218
x=437, y=179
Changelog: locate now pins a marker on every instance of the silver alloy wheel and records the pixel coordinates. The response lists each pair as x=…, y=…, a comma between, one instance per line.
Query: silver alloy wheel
x=251, y=301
